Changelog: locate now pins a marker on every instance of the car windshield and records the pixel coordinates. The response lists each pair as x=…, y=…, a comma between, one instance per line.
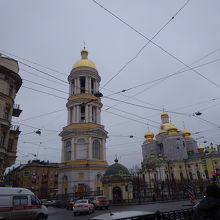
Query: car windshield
x=82, y=201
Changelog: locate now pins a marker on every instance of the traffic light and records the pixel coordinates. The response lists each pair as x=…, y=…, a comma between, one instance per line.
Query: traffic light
x=213, y=177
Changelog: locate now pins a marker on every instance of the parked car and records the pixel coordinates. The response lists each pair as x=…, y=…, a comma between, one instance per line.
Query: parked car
x=70, y=203
x=125, y=215
x=83, y=206
x=20, y=204
x=100, y=202
x=58, y=203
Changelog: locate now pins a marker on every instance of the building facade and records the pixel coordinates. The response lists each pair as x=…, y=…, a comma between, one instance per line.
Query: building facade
x=39, y=176
x=83, y=159
x=175, y=156
x=10, y=83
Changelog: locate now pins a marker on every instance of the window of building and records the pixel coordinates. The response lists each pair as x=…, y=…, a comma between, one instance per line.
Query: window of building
x=96, y=149
x=82, y=113
x=68, y=150
x=82, y=84
x=6, y=113
x=73, y=86
x=94, y=114
x=10, y=145
x=81, y=149
x=11, y=90
x=92, y=86
x=2, y=139
x=98, y=177
x=20, y=200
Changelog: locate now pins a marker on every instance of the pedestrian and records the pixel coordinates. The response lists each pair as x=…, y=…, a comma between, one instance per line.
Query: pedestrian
x=209, y=207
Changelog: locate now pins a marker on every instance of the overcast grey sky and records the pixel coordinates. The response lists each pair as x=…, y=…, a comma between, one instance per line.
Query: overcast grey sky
x=52, y=32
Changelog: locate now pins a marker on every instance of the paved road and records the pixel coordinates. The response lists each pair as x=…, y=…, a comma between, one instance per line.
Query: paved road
x=63, y=214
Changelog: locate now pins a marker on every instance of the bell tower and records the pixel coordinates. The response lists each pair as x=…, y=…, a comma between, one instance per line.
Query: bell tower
x=83, y=159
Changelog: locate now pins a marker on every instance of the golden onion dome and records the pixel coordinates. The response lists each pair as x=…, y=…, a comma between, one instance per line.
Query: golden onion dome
x=84, y=61
x=149, y=135
x=165, y=127
x=186, y=133
x=164, y=114
x=172, y=130
x=200, y=148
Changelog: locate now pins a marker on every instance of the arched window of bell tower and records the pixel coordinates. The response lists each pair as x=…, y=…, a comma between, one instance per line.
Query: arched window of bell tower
x=81, y=149
x=92, y=86
x=82, y=84
x=72, y=87
x=68, y=150
x=96, y=149
x=82, y=113
x=94, y=114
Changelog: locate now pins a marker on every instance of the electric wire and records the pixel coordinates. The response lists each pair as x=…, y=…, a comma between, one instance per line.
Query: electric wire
x=157, y=45
x=54, y=70
x=139, y=52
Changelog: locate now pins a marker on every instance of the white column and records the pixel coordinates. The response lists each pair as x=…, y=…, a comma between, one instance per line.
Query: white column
x=89, y=84
x=77, y=114
x=87, y=114
x=78, y=85
x=90, y=110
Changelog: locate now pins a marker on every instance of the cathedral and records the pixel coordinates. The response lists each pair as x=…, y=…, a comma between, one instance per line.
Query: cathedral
x=83, y=159
x=169, y=143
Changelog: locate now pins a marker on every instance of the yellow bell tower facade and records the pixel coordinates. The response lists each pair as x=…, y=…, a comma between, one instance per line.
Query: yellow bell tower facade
x=83, y=159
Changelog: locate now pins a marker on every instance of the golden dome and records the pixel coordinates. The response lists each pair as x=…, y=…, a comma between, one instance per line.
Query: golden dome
x=200, y=148
x=164, y=114
x=172, y=130
x=186, y=133
x=165, y=127
x=149, y=135
x=84, y=61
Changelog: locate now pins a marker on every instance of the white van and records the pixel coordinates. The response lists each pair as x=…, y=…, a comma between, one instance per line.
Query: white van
x=20, y=204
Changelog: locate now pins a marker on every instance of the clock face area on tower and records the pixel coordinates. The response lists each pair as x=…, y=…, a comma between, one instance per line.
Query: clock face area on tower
x=83, y=138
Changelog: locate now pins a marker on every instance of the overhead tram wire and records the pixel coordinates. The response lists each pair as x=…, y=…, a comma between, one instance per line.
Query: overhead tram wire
x=43, y=92
x=41, y=115
x=139, y=52
x=43, y=72
x=37, y=128
x=34, y=73
x=182, y=70
x=155, y=44
x=134, y=115
x=162, y=79
x=45, y=86
x=34, y=63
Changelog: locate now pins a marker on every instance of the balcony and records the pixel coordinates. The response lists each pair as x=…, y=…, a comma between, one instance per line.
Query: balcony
x=16, y=110
x=14, y=129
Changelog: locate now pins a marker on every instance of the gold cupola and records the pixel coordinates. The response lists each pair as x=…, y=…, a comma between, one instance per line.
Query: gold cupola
x=172, y=130
x=186, y=133
x=149, y=136
x=84, y=61
x=200, y=148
